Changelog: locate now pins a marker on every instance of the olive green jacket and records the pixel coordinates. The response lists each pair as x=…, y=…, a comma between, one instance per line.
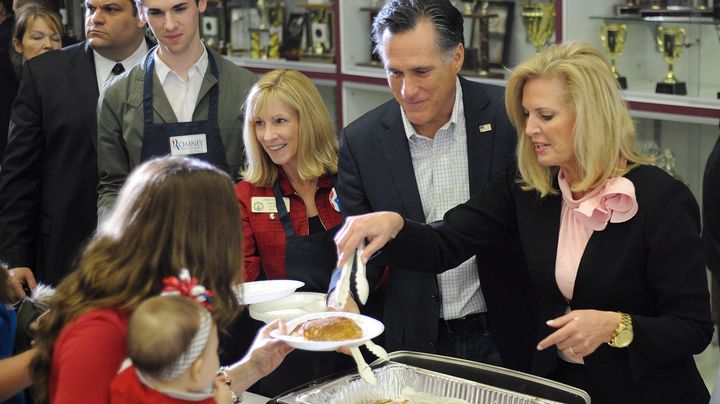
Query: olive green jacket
x=120, y=121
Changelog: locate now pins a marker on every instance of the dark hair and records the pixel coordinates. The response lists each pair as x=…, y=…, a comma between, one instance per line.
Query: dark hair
x=140, y=2
x=172, y=213
x=399, y=16
x=7, y=4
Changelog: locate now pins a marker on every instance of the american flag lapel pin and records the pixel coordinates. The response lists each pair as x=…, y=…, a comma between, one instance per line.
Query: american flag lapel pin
x=485, y=128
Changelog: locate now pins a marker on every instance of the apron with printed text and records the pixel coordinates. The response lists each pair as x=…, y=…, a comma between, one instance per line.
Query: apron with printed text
x=197, y=139
x=310, y=259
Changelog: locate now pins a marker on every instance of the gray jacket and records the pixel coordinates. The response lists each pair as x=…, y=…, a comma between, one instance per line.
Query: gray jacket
x=120, y=121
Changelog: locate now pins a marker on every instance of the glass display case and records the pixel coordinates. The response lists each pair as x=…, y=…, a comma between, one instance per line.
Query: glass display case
x=669, y=55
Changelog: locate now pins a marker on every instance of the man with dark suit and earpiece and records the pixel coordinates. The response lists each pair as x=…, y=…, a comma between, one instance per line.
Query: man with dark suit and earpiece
x=439, y=141
x=48, y=182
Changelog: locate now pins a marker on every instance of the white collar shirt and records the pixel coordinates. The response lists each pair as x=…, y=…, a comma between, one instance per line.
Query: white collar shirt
x=441, y=168
x=182, y=94
x=104, y=66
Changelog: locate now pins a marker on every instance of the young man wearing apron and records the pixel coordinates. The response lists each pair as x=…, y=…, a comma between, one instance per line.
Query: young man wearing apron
x=183, y=99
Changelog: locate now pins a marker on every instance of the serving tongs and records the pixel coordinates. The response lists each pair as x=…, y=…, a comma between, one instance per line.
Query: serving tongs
x=363, y=291
x=365, y=371
x=361, y=283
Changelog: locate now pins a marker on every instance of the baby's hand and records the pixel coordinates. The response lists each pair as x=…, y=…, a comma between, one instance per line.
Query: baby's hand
x=222, y=392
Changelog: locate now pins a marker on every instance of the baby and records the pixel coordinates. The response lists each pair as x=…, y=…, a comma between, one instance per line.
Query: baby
x=173, y=343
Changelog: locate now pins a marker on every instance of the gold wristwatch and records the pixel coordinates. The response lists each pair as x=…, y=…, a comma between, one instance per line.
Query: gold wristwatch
x=623, y=334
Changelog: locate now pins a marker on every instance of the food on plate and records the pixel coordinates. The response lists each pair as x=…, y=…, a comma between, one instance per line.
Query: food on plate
x=328, y=329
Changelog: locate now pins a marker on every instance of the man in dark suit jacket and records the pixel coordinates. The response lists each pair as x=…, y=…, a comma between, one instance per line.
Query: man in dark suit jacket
x=49, y=178
x=383, y=167
x=711, y=219
x=7, y=73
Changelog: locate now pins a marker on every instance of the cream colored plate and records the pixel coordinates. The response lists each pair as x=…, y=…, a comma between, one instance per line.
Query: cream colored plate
x=289, y=307
x=371, y=328
x=264, y=291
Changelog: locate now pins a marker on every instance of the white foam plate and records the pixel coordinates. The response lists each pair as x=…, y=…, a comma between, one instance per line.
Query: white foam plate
x=289, y=307
x=371, y=328
x=264, y=291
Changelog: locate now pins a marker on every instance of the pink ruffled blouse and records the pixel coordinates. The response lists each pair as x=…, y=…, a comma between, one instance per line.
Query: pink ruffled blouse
x=615, y=203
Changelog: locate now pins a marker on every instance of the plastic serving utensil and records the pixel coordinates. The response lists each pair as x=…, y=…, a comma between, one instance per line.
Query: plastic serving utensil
x=377, y=350
x=361, y=283
x=344, y=287
x=364, y=369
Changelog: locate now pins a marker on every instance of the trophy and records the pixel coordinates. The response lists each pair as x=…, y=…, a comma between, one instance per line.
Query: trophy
x=670, y=42
x=612, y=37
x=276, y=17
x=477, y=53
x=657, y=5
x=320, y=20
x=260, y=34
x=373, y=12
x=469, y=6
x=630, y=7
x=320, y=37
x=539, y=22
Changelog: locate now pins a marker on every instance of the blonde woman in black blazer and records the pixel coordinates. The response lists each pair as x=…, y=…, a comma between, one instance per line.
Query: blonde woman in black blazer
x=612, y=244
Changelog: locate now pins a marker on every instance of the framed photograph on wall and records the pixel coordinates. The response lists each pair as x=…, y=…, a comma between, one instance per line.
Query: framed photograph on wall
x=500, y=30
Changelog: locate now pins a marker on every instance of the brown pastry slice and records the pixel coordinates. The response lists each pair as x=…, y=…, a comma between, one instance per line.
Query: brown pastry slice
x=328, y=329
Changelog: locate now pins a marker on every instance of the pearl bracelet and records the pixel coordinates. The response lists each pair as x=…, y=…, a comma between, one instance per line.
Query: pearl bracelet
x=223, y=373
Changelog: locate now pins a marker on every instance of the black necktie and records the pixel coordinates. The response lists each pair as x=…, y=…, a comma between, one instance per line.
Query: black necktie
x=117, y=69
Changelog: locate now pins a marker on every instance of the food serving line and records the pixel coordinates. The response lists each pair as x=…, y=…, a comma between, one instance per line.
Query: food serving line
x=402, y=375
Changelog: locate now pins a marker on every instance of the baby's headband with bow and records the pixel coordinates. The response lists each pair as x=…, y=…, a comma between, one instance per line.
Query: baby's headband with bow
x=185, y=285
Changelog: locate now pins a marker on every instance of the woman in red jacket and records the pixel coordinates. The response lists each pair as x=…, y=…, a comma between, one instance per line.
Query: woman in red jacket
x=288, y=202
x=292, y=153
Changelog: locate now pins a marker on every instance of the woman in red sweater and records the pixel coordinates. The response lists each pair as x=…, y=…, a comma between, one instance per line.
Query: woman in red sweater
x=172, y=213
x=288, y=201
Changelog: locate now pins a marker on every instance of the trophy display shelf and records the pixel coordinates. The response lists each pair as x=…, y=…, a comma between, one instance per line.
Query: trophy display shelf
x=315, y=6
x=631, y=7
x=677, y=18
x=677, y=14
x=312, y=57
x=244, y=58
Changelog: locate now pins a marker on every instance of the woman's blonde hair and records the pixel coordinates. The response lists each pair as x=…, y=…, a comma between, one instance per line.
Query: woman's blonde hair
x=172, y=213
x=318, y=145
x=604, y=132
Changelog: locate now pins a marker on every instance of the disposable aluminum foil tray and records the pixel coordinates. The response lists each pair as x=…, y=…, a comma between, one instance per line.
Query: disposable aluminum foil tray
x=394, y=377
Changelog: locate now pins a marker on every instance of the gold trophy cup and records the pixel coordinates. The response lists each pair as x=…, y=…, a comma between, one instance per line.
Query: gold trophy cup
x=539, y=22
x=612, y=37
x=670, y=43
